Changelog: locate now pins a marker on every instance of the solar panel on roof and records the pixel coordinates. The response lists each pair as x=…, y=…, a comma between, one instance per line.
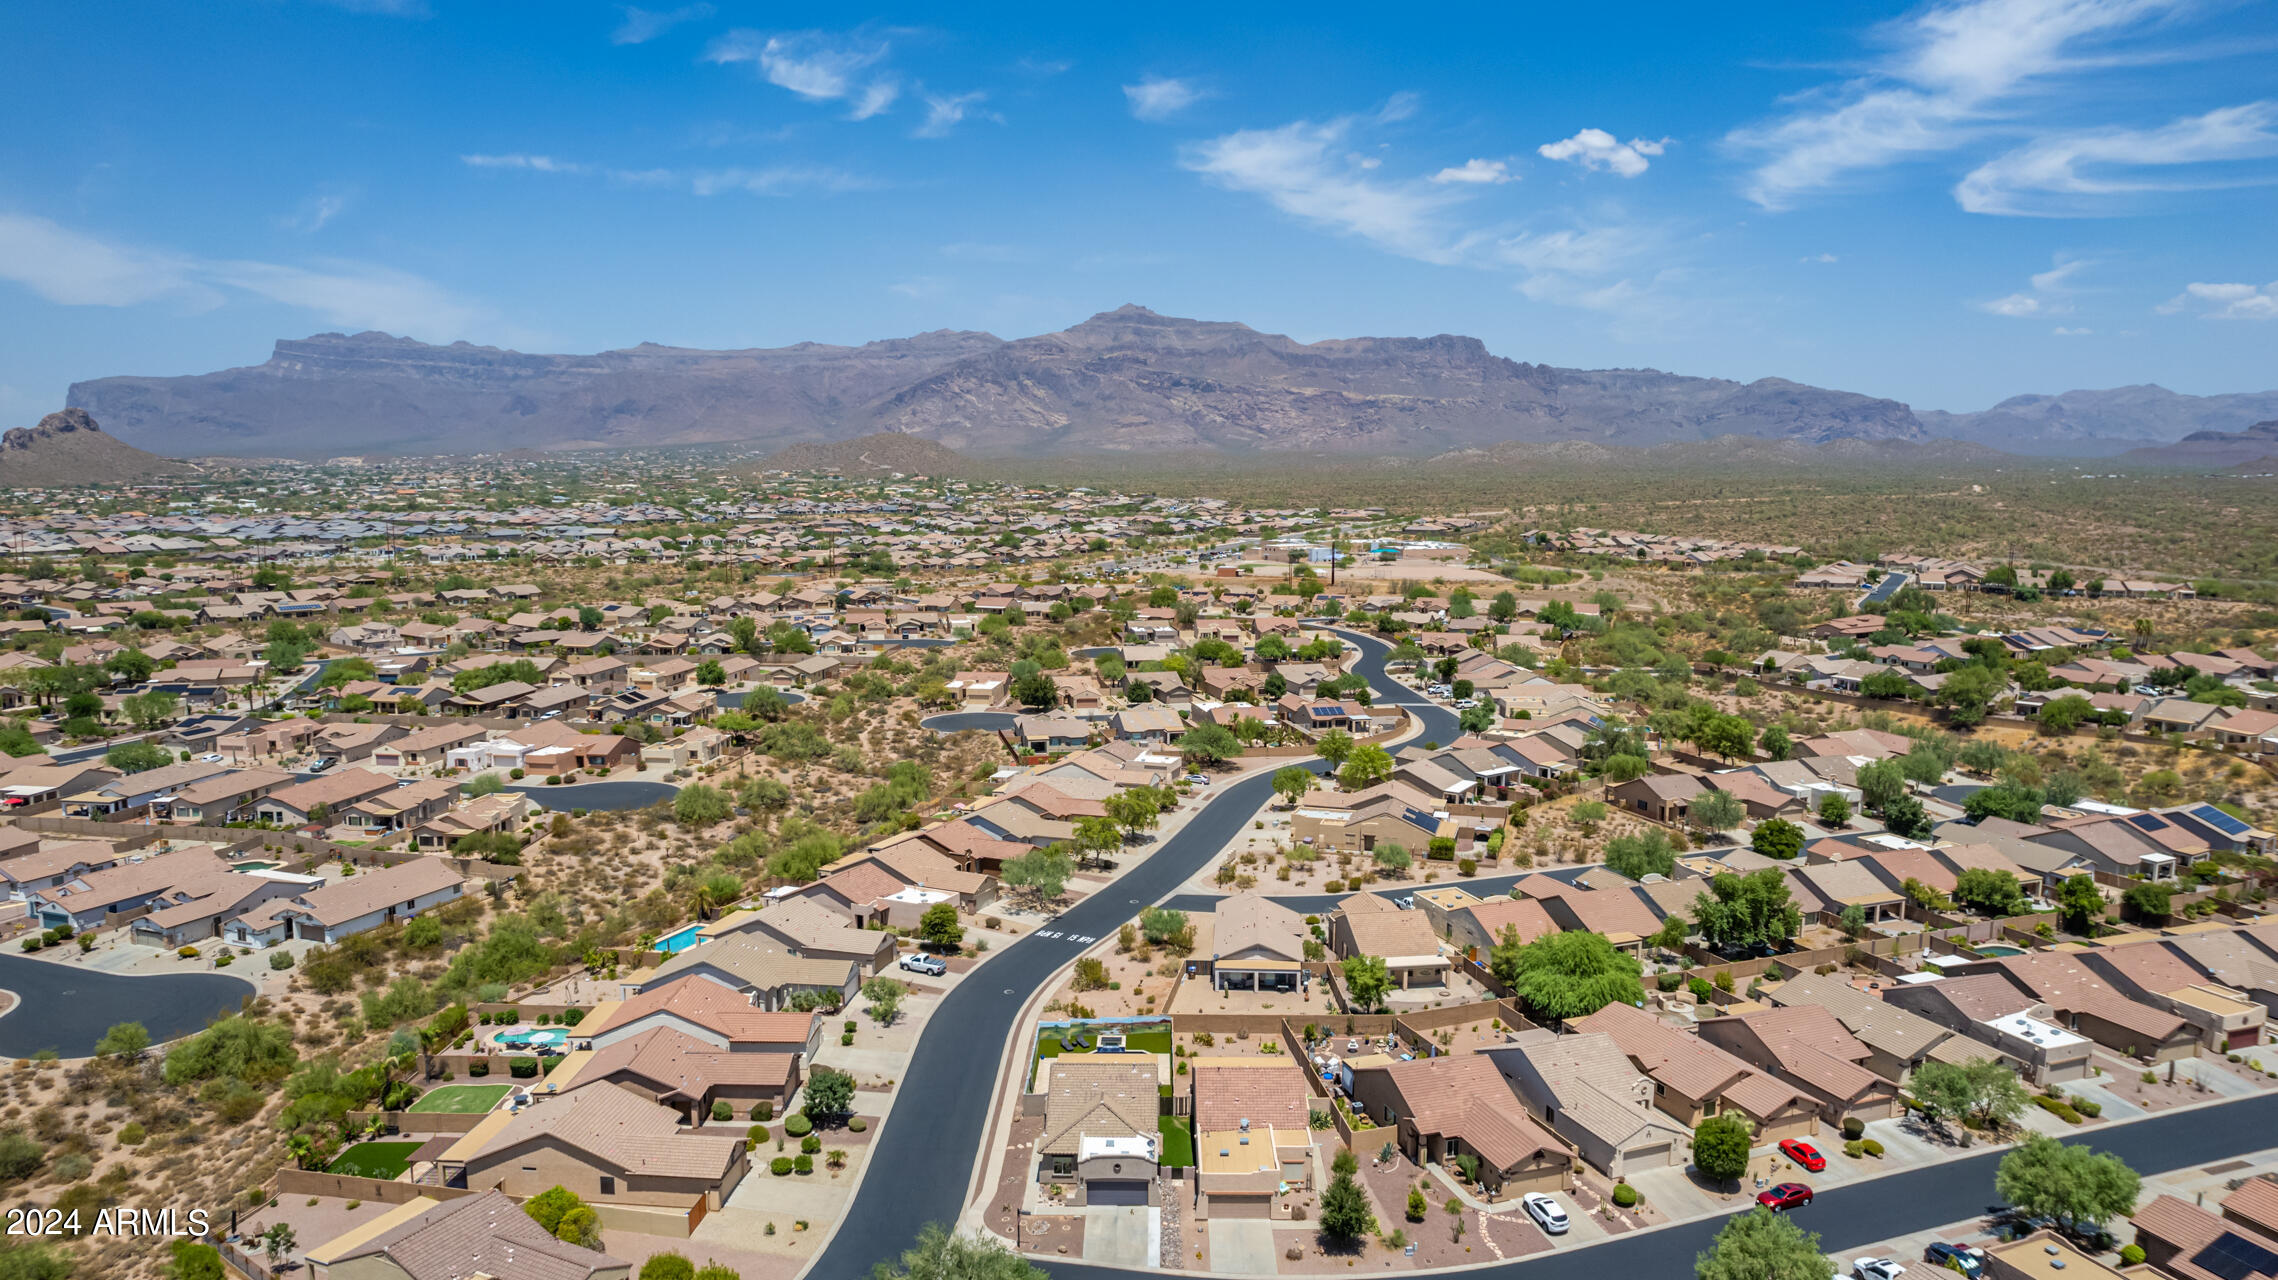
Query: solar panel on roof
x=2148, y=822
x=2234, y=1257
x=2219, y=820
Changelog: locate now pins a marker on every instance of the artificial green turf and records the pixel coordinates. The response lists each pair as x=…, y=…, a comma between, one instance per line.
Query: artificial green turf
x=1178, y=1144
x=374, y=1159
x=464, y=1099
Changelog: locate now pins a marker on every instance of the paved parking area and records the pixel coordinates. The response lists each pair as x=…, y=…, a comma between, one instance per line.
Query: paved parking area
x=1132, y=1236
x=1240, y=1246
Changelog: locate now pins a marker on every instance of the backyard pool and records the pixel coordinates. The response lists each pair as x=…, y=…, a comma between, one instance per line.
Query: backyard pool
x=254, y=866
x=2000, y=949
x=541, y=1038
x=679, y=939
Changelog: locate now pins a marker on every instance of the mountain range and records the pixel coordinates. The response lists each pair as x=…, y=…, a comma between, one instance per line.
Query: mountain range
x=2255, y=448
x=1127, y=380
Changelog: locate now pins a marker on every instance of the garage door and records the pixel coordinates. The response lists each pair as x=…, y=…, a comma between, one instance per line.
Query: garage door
x=1652, y=1157
x=1228, y=1206
x=1115, y=1192
x=312, y=932
x=1791, y=1126
x=2245, y=1038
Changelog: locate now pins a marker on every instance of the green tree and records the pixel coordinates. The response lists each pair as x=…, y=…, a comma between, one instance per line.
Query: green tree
x=1036, y=689
x=1728, y=736
x=1745, y=911
x=1981, y=1089
x=1334, y=746
x=134, y=757
x=2064, y=714
x=1393, y=856
x=1777, y=838
x=1762, y=1245
x=1775, y=742
x=1043, y=872
x=123, y=1040
x=2149, y=900
x=885, y=997
x=700, y=804
x=1639, y=856
x=192, y=1260
x=1368, y=765
x=1720, y=1147
x=1834, y=810
x=1292, y=783
x=943, y=1255
x=1345, y=1214
x=1714, y=810
x=1566, y=975
x=2074, y=1185
x=2081, y=902
x=547, y=1207
x=1367, y=978
x=940, y=927
x=1989, y=891
x=1880, y=783
x=1907, y=817
x=668, y=1265
x=830, y=1093
x=1209, y=744
x=1135, y=809
x=711, y=674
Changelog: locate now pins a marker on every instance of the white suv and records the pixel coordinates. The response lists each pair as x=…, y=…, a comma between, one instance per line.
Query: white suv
x=1545, y=1212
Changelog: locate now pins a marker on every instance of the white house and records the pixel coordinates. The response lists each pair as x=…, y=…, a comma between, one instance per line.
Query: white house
x=348, y=907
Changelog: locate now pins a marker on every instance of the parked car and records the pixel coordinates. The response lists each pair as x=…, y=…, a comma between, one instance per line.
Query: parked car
x=1967, y=1259
x=1545, y=1212
x=1805, y=1154
x=1787, y=1195
x=324, y=764
x=1877, y=1269
x=210, y=757
x=931, y=966
x=1406, y=902
x=1199, y=779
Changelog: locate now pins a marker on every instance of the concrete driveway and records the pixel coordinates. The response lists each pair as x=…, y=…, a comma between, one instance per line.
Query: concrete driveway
x=1242, y=1246
x=1132, y=1236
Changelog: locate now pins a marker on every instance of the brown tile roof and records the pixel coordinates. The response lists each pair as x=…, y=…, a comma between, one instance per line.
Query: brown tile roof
x=1523, y=914
x=1809, y=1044
x=1465, y=1097
x=1902, y=1033
x=672, y=1063
x=617, y=1129
x=2070, y=986
x=362, y=894
x=486, y=1234
x=1269, y=1093
x=2255, y=1204
x=1099, y=1100
x=707, y=1004
x=1386, y=934
x=1685, y=1062
x=1248, y=920
x=2200, y=1239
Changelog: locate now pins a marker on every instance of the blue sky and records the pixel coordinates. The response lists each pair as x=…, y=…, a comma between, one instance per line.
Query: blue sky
x=1946, y=204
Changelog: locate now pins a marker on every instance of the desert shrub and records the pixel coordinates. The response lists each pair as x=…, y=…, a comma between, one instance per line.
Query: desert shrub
x=780, y=1166
x=1625, y=1195
x=798, y=1126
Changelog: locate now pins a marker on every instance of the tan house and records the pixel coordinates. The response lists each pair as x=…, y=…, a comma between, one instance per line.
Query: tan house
x=1367, y=925
x=1582, y=1086
x=1693, y=1079
x=487, y=1234
x=1257, y=944
x=1253, y=1136
x=678, y=1071
x=1805, y=1046
x=1447, y=1107
x=1100, y=1133
x=608, y=1145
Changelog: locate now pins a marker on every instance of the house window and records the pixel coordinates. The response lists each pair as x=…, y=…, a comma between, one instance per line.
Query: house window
x=608, y=1185
x=1063, y=1164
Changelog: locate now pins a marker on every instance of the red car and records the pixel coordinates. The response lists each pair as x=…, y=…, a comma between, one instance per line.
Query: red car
x=1805, y=1154
x=1787, y=1195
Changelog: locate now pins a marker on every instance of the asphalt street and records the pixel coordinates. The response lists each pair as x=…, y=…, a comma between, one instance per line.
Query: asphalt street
x=953, y=721
x=1851, y=1216
x=933, y=1138
x=596, y=797
x=66, y=1008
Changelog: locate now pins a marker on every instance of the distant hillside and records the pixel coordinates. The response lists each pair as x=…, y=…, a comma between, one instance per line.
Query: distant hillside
x=1726, y=452
x=2212, y=448
x=67, y=448
x=1126, y=381
x=880, y=453
x=2092, y=424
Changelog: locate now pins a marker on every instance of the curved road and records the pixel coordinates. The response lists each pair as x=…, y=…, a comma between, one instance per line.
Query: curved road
x=597, y=797
x=933, y=1138
x=954, y=721
x=66, y=1008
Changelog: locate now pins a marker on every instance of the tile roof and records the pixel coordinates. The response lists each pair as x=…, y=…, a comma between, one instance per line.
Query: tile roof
x=485, y=1234
x=1269, y=1093
x=1464, y=1096
x=1099, y=1100
x=672, y=1063
x=1898, y=1032
x=711, y=1006
x=618, y=1129
x=1685, y=1062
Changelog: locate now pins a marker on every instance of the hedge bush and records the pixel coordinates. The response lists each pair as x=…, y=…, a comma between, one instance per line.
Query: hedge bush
x=780, y=1166
x=754, y=1136
x=804, y=1164
x=523, y=1068
x=811, y=1144
x=858, y=1124
x=478, y=1067
x=2131, y=1255
x=1625, y=1195
x=798, y=1126
x=1872, y=1148
x=721, y=1110
x=1854, y=1127
x=763, y=1111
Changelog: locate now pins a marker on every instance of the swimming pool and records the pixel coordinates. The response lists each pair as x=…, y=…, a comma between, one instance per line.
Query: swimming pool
x=2000, y=949
x=254, y=866
x=541, y=1038
x=679, y=939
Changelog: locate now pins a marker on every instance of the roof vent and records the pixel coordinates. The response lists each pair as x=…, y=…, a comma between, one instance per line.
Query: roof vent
x=1245, y=1125
x=2056, y=1264
x=2049, y=1249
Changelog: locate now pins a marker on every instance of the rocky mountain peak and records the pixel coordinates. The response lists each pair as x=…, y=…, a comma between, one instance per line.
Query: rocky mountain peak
x=61, y=422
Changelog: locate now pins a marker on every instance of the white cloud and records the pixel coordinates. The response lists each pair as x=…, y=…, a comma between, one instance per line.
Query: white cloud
x=2049, y=296
x=2225, y=301
x=1399, y=107
x=814, y=65
x=385, y=8
x=1956, y=67
x=313, y=213
x=2092, y=171
x=1300, y=169
x=946, y=112
x=779, y=180
x=76, y=269
x=1160, y=97
x=1596, y=149
x=644, y=25
x=1313, y=172
x=1819, y=258
x=2062, y=332
x=1471, y=172
x=517, y=160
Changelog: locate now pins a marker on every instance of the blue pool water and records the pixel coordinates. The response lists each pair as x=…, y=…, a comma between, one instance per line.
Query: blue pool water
x=542, y=1038
x=2000, y=949
x=679, y=939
